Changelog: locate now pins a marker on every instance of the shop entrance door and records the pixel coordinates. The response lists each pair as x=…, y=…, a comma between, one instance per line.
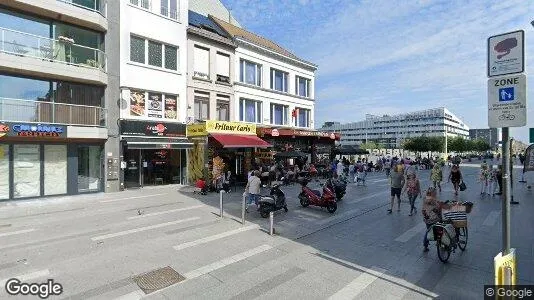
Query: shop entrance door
x=132, y=178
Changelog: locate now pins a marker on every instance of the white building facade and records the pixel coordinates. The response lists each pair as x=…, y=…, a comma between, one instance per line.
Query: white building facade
x=390, y=131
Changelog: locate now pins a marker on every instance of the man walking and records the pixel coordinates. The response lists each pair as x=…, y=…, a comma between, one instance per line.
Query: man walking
x=397, y=182
x=253, y=189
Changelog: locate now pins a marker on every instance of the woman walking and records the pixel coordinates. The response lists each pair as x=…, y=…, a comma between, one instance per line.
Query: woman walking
x=492, y=181
x=431, y=212
x=455, y=176
x=436, y=175
x=483, y=178
x=413, y=188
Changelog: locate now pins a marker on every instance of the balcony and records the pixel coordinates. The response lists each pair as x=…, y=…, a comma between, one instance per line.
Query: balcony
x=49, y=112
x=62, y=50
x=98, y=6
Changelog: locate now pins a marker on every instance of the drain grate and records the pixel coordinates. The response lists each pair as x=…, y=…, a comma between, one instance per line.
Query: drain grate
x=157, y=279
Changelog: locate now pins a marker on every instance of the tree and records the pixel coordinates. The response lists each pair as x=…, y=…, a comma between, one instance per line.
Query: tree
x=481, y=145
x=370, y=145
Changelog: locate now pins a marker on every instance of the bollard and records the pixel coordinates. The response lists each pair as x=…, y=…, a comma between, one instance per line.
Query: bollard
x=271, y=219
x=221, y=203
x=243, y=208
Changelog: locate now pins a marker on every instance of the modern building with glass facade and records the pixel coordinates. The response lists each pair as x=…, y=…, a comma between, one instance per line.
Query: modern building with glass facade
x=53, y=79
x=391, y=131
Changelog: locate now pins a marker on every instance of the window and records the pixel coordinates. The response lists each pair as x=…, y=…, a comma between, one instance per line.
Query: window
x=201, y=62
x=171, y=57
x=250, y=111
x=250, y=72
x=157, y=55
x=279, y=80
x=303, y=117
x=279, y=114
x=169, y=8
x=223, y=108
x=26, y=170
x=89, y=171
x=223, y=67
x=303, y=86
x=202, y=105
x=142, y=3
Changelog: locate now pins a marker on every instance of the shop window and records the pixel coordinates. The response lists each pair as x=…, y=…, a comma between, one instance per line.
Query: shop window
x=202, y=106
x=26, y=170
x=250, y=111
x=89, y=171
x=55, y=169
x=4, y=170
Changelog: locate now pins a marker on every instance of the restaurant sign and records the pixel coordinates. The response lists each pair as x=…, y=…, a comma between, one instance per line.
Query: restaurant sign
x=13, y=129
x=223, y=127
x=295, y=132
x=161, y=129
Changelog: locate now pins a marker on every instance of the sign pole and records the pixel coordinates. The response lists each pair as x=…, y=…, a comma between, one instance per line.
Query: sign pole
x=506, y=191
x=512, y=175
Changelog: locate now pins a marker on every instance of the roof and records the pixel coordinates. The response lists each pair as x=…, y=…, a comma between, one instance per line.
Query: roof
x=237, y=32
x=203, y=22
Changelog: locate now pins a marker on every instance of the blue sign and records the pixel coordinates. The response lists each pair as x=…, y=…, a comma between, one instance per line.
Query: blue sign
x=506, y=94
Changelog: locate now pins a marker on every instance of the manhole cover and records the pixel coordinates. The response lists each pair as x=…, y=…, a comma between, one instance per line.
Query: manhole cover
x=155, y=280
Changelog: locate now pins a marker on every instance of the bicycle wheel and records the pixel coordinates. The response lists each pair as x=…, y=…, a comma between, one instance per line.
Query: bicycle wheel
x=444, y=252
x=462, y=238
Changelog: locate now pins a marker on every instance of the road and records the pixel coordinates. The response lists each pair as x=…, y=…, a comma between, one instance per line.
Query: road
x=97, y=245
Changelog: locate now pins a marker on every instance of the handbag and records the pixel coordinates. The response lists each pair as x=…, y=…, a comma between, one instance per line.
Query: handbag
x=462, y=186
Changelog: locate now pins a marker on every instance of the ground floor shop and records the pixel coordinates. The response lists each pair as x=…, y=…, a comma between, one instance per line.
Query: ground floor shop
x=317, y=145
x=153, y=153
x=39, y=160
x=221, y=148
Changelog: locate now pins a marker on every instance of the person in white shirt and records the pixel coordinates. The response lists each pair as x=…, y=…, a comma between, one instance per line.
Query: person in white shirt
x=253, y=189
x=339, y=168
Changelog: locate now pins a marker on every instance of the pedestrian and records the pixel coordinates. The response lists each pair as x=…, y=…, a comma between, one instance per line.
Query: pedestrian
x=397, y=182
x=492, y=181
x=431, y=212
x=499, y=179
x=412, y=187
x=351, y=172
x=339, y=168
x=483, y=178
x=252, y=190
x=455, y=176
x=436, y=175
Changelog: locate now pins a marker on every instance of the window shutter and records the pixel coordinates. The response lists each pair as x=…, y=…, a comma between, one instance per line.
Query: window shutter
x=223, y=64
x=201, y=62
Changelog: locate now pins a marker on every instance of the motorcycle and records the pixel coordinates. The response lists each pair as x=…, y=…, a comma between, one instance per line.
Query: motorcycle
x=339, y=186
x=314, y=197
x=274, y=202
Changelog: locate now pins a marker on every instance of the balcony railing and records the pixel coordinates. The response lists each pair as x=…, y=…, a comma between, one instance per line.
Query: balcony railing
x=98, y=6
x=146, y=4
x=62, y=50
x=171, y=13
x=49, y=112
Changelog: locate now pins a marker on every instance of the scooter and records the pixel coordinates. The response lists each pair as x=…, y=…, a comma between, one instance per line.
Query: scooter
x=314, y=197
x=339, y=186
x=274, y=202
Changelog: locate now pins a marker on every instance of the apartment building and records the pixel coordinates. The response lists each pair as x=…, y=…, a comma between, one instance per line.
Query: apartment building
x=492, y=136
x=153, y=105
x=390, y=131
x=53, y=114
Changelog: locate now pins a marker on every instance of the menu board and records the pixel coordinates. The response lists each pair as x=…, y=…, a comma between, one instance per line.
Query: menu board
x=155, y=105
x=170, y=107
x=137, y=103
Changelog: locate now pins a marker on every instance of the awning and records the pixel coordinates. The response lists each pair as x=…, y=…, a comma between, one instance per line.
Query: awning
x=240, y=141
x=157, y=143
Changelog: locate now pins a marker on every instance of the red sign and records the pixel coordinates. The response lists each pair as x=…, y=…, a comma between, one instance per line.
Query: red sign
x=275, y=132
x=4, y=129
x=294, y=132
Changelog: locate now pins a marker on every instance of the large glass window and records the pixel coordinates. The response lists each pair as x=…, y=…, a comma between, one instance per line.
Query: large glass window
x=303, y=86
x=80, y=94
x=89, y=171
x=155, y=56
x=250, y=72
x=24, y=88
x=171, y=57
x=153, y=53
x=4, y=170
x=279, y=80
x=27, y=170
x=303, y=117
x=137, y=49
x=169, y=8
x=250, y=111
x=55, y=169
x=279, y=114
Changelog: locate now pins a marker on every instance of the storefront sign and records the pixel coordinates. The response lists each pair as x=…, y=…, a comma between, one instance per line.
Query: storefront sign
x=211, y=126
x=264, y=154
x=140, y=128
x=292, y=132
x=32, y=130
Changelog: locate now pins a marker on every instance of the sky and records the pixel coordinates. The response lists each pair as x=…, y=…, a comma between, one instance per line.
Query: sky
x=392, y=56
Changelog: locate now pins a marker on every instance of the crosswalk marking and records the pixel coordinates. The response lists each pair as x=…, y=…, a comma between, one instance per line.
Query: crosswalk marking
x=16, y=232
x=410, y=233
x=27, y=277
x=492, y=218
x=121, y=233
x=165, y=212
x=358, y=285
x=214, y=237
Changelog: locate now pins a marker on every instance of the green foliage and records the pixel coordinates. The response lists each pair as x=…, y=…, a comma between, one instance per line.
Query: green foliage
x=369, y=146
x=424, y=144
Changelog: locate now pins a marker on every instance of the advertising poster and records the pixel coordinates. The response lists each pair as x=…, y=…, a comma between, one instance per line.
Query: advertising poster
x=170, y=107
x=137, y=103
x=155, y=105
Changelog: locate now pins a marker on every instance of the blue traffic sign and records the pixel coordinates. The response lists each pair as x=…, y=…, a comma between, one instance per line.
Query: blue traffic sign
x=506, y=94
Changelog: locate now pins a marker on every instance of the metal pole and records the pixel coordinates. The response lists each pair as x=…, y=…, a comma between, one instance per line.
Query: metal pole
x=221, y=203
x=271, y=221
x=446, y=152
x=243, y=208
x=506, y=191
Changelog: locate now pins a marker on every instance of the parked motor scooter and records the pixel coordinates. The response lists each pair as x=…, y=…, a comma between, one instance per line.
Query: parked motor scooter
x=339, y=186
x=314, y=197
x=275, y=201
